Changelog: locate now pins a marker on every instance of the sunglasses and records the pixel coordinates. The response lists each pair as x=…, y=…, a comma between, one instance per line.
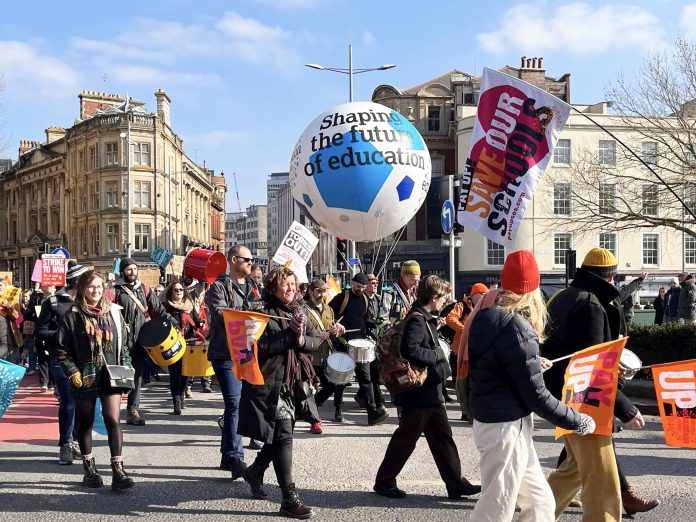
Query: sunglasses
x=246, y=259
x=178, y=289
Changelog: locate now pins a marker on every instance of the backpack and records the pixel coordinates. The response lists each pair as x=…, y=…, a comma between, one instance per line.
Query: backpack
x=397, y=373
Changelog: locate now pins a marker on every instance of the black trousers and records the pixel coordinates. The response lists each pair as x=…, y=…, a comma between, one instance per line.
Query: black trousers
x=362, y=374
x=327, y=389
x=431, y=421
x=45, y=376
x=138, y=360
x=376, y=388
x=279, y=452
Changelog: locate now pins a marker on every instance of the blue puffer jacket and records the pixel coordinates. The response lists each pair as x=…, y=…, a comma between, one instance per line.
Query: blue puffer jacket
x=505, y=372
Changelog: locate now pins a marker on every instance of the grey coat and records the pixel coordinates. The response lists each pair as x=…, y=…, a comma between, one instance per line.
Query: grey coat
x=687, y=301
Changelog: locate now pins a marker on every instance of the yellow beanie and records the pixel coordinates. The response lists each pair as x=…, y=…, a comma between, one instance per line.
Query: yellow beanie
x=410, y=267
x=601, y=261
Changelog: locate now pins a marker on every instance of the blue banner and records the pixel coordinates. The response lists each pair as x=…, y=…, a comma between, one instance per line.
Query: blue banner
x=161, y=256
x=10, y=377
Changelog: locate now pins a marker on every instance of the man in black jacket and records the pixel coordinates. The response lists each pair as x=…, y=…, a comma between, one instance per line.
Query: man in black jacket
x=589, y=312
x=46, y=335
x=140, y=304
x=351, y=307
x=237, y=291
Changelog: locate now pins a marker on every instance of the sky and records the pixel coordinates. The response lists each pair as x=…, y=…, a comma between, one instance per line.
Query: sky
x=235, y=70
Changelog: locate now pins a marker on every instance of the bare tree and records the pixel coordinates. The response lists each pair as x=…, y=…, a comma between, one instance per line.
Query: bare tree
x=656, y=119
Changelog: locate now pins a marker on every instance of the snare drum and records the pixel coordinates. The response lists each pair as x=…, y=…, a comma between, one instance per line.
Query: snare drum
x=445, y=347
x=361, y=350
x=630, y=363
x=339, y=368
x=195, y=361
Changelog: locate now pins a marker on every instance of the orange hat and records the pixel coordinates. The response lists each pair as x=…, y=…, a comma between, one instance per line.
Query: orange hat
x=478, y=288
x=520, y=272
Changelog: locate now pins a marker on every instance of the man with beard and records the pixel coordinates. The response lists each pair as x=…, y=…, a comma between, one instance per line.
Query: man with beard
x=140, y=304
x=237, y=291
x=322, y=318
x=397, y=301
x=352, y=308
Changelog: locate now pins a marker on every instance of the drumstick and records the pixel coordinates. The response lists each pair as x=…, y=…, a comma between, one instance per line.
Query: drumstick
x=339, y=319
x=353, y=330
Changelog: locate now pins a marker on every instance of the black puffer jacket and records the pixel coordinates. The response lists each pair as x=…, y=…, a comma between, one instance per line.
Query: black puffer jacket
x=418, y=346
x=585, y=314
x=505, y=374
x=53, y=310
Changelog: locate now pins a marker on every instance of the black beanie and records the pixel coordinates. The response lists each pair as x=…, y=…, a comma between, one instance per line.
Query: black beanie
x=361, y=278
x=125, y=262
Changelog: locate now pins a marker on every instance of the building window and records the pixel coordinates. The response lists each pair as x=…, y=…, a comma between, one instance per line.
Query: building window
x=690, y=154
x=112, y=153
x=112, y=194
x=495, y=253
x=141, y=153
x=561, y=243
x=690, y=250
x=607, y=152
x=651, y=249
x=561, y=199
x=608, y=240
x=83, y=240
x=83, y=201
x=433, y=118
x=81, y=161
x=690, y=196
x=93, y=157
x=94, y=233
x=650, y=152
x=650, y=199
x=561, y=154
x=141, y=194
x=94, y=196
x=607, y=198
x=142, y=237
x=112, y=239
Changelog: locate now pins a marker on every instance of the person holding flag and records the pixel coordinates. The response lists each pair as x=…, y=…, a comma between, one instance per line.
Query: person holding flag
x=268, y=412
x=587, y=313
x=506, y=387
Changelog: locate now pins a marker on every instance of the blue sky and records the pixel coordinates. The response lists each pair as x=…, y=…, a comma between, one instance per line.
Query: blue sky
x=234, y=70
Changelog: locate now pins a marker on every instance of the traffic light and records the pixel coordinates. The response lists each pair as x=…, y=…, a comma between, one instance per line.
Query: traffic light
x=341, y=254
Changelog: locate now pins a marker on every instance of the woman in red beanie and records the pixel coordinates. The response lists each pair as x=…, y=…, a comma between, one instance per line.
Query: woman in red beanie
x=506, y=388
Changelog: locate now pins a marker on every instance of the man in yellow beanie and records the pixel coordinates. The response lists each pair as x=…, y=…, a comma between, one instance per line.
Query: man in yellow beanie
x=586, y=313
x=397, y=300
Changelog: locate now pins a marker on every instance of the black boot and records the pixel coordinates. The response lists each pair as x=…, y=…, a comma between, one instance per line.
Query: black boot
x=92, y=478
x=182, y=399
x=292, y=506
x=254, y=477
x=177, y=406
x=120, y=480
x=375, y=416
x=237, y=467
x=338, y=417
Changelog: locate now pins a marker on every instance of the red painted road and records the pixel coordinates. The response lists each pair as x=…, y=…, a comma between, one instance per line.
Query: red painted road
x=32, y=417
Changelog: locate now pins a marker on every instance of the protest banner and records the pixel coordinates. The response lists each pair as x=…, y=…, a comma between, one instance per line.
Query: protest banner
x=10, y=377
x=262, y=262
x=161, y=257
x=10, y=297
x=297, y=247
x=6, y=276
x=53, y=270
x=516, y=130
x=675, y=388
x=590, y=384
x=176, y=266
x=243, y=330
x=333, y=289
x=37, y=272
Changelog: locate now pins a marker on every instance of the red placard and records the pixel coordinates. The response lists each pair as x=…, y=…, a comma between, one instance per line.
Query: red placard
x=53, y=270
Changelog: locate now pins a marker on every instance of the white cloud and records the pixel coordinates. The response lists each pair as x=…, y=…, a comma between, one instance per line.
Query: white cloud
x=214, y=139
x=29, y=72
x=290, y=4
x=113, y=51
x=368, y=38
x=173, y=38
x=575, y=28
x=688, y=21
x=258, y=43
x=154, y=77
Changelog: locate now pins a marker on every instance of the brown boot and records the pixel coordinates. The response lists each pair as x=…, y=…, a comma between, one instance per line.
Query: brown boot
x=632, y=503
x=133, y=418
x=292, y=506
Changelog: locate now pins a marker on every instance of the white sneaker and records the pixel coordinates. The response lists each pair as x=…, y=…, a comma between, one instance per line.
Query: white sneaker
x=76, y=453
x=66, y=454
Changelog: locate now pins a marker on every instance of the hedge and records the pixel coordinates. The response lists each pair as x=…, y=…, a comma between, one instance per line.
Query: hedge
x=656, y=344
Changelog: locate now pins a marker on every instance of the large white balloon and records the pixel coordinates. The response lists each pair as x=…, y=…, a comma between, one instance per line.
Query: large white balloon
x=361, y=170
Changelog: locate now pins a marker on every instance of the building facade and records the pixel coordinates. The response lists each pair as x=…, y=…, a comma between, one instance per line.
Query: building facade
x=249, y=228
x=275, y=183
x=117, y=182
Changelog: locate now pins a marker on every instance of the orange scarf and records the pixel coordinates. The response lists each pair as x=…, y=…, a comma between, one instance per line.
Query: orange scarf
x=463, y=348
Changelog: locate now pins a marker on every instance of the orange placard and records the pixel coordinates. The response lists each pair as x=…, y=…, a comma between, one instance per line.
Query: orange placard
x=333, y=290
x=590, y=384
x=243, y=330
x=675, y=387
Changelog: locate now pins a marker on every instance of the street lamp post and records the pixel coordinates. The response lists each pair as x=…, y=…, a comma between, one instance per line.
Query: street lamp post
x=127, y=137
x=350, y=71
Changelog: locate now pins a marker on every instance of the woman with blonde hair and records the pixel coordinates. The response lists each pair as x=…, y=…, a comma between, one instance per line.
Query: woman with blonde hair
x=506, y=387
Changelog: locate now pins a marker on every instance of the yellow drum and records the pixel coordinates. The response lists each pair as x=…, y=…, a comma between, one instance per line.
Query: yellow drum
x=195, y=361
x=162, y=342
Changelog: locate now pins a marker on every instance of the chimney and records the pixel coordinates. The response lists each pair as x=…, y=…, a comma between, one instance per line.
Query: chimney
x=163, y=102
x=27, y=145
x=54, y=134
x=522, y=62
x=534, y=63
x=541, y=59
x=91, y=101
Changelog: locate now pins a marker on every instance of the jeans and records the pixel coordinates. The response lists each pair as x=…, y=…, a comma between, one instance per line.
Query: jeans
x=231, y=389
x=66, y=408
x=30, y=352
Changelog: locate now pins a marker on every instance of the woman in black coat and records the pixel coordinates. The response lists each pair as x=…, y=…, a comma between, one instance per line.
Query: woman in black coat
x=268, y=412
x=185, y=319
x=659, y=306
x=423, y=408
x=90, y=336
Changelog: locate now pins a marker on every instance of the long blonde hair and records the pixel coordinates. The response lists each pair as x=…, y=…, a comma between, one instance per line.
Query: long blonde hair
x=531, y=306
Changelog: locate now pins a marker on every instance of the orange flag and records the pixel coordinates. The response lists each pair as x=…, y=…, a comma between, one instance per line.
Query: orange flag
x=333, y=290
x=243, y=331
x=590, y=384
x=675, y=387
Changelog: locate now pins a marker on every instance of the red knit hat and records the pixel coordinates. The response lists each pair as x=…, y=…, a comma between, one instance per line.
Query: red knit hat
x=520, y=273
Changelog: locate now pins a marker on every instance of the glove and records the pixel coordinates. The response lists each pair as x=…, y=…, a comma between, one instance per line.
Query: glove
x=587, y=425
x=76, y=380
